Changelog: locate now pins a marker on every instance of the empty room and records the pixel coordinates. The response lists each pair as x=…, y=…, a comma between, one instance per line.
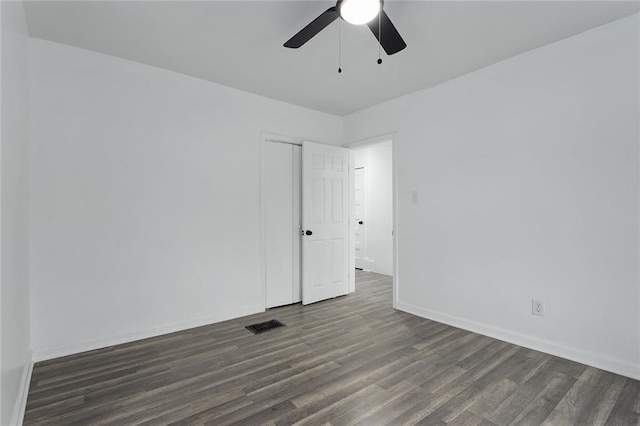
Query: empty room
x=320, y=213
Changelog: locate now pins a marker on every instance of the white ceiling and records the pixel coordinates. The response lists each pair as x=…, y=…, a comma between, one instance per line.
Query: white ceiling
x=239, y=43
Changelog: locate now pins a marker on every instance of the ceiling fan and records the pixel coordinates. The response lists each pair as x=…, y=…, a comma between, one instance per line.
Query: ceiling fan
x=357, y=12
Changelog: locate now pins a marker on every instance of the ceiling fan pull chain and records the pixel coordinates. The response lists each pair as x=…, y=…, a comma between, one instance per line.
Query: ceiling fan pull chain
x=339, y=46
x=379, y=37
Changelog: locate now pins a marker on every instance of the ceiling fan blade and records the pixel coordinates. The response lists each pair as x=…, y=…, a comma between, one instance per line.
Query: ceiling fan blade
x=391, y=41
x=317, y=25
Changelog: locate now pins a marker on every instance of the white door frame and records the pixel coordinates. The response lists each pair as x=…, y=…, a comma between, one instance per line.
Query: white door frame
x=361, y=144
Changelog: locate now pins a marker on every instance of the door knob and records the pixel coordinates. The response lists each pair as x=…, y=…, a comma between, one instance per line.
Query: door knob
x=308, y=232
x=360, y=222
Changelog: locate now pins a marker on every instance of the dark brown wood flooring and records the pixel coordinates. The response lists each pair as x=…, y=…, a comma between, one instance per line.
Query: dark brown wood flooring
x=351, y=360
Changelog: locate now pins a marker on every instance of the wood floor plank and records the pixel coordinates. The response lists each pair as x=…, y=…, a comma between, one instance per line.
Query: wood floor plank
x=545, y=402
x=491, y=397
x=623, y=412
x=349, y=360
x=375, y=411
x=466, y=418
x=577, y=400
x=513, y=405
x=603, y=400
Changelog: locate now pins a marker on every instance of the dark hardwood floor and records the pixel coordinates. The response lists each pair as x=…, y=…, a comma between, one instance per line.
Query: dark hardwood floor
x=351, y=360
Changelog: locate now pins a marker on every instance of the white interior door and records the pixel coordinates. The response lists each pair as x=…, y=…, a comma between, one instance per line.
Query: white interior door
x=325, y=221
x=359, y=213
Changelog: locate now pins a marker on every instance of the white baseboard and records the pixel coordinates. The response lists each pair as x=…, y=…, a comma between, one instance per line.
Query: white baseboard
x=21, y=401
x=133, y=335
x=603, y=362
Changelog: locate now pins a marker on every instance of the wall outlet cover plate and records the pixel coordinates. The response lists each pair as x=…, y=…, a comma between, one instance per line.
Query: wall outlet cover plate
x=537, y=307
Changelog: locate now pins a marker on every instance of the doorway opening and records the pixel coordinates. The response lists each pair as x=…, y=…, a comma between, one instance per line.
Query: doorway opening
x=311, y=225
x=373, y=211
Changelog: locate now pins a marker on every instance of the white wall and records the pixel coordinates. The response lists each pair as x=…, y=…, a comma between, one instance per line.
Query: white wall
x=377, y=162
x=527, y=173
x=15, y=354
x=145, y=196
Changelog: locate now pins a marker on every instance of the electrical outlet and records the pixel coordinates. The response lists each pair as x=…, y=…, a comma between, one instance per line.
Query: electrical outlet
x=537, y=307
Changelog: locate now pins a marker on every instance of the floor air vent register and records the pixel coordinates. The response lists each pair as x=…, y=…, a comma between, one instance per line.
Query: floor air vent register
x=264, y=326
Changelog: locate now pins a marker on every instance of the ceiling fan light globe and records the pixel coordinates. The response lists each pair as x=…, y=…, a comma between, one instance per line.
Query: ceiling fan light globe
x=359, y=12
